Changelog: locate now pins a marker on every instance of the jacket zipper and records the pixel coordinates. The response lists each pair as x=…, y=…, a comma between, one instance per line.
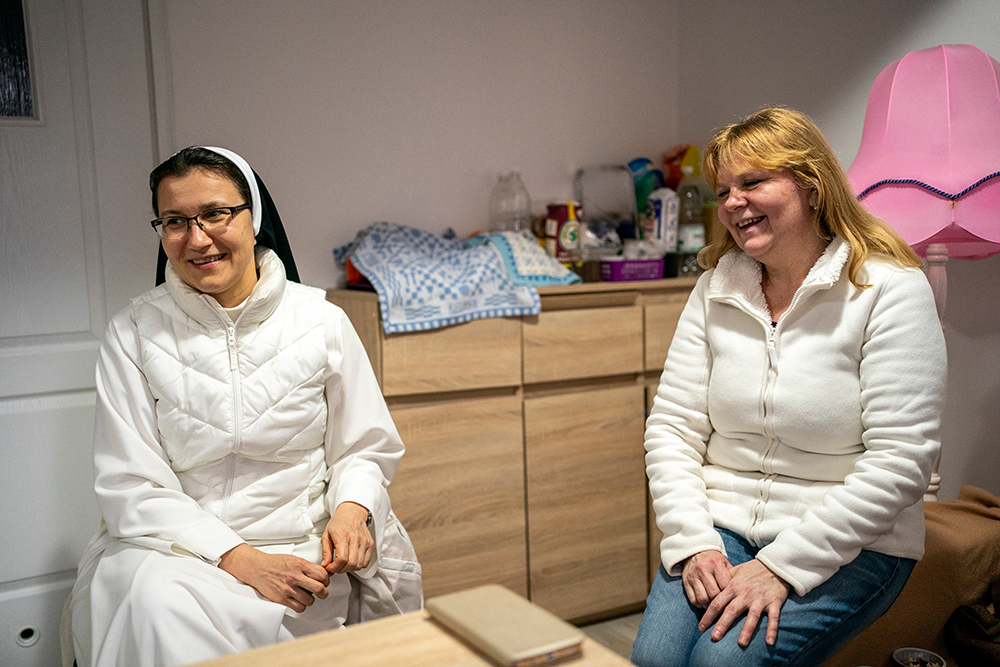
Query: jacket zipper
x=772, y=380
x=764, y=484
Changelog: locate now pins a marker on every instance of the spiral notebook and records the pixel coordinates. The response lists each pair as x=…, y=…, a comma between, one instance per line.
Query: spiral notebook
x=505, y=627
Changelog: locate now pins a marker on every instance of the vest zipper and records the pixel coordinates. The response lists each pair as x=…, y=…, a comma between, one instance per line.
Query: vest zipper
x=234, y=368
x=234, y=374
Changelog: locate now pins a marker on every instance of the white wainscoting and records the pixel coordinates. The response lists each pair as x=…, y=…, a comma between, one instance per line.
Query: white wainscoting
x=53, y=304
x=47, y=478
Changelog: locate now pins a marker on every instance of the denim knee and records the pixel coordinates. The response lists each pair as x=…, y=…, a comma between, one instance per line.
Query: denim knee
x=669, y=625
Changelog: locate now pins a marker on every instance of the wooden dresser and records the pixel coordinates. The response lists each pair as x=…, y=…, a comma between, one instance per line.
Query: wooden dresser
x=524, y=458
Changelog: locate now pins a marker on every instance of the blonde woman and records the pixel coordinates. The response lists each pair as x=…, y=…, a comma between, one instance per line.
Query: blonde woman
x=797, y=419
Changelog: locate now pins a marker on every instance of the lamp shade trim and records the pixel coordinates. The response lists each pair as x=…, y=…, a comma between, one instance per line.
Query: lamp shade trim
x=931, y=188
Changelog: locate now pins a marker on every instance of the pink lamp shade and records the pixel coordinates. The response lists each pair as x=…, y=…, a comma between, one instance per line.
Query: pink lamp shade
x=929, y=162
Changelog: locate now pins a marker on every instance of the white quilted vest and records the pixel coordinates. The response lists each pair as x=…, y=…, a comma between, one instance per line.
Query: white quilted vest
x=241, y=408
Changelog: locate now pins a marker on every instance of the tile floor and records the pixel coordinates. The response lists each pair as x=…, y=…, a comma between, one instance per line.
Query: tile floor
x=616, y=634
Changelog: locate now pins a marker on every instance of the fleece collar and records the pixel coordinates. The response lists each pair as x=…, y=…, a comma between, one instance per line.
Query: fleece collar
x=738, y=276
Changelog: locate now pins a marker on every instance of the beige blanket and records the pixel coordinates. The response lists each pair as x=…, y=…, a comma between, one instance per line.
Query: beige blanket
x=962, y=559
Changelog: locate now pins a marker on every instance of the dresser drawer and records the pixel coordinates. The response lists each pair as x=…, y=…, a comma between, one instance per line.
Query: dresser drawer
x=661, y=322
x=589, y=342
x=474, y=355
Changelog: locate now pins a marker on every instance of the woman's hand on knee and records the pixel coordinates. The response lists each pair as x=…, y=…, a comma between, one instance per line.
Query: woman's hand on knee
x=282, y=578
x=347, y=544
x=753, y=590
x=704, y=575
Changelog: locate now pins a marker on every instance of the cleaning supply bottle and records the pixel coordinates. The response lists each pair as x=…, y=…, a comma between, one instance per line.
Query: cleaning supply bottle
x=690, y=224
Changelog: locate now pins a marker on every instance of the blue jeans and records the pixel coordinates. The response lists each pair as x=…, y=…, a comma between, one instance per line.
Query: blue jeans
x=811, y=628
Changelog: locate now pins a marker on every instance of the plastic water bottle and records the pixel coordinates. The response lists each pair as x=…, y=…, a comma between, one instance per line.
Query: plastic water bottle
x=510, y=206
x=690, y=224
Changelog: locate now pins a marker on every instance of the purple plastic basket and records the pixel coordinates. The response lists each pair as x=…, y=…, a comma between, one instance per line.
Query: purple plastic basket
x=631, y=269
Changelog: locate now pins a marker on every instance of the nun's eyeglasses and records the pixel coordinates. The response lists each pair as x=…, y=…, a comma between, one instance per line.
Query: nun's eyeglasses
x=212, y=220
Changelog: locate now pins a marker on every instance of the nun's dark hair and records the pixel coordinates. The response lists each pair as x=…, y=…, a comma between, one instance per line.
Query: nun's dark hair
x=184, y=162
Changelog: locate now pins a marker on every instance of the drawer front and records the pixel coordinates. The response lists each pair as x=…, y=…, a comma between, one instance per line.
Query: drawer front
x=661, y=322
x=586, y=500
x=459, y=492
x=593, y=342
x=474, y=355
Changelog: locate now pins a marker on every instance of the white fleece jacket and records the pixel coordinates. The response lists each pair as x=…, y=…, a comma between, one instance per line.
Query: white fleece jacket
x=814, y=438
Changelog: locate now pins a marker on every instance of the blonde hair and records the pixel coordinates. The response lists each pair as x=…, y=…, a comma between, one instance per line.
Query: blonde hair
x=787, y=140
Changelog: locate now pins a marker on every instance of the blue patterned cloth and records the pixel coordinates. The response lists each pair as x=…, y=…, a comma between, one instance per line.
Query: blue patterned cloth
x=525, y=261
x=424, y=281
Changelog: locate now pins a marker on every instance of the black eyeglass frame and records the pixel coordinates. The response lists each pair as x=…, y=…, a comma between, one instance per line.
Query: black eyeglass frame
x=158, y=223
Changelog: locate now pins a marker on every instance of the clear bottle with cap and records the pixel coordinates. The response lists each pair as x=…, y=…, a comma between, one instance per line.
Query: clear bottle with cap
x=510, y=206
x=690, y=224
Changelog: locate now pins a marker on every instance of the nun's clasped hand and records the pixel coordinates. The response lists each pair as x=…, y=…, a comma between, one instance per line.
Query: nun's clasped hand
x=347, y=544
x=282, y=578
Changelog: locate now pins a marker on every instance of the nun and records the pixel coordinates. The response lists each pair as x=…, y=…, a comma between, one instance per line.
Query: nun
x=242, y=447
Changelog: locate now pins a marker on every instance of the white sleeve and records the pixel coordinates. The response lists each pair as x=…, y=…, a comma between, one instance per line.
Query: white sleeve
x=902, y=379
x=363, y=447
x=139, y=495
x=677, y=433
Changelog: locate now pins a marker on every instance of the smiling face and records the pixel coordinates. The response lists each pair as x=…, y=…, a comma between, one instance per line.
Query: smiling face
x=769, y=216
x=221, y=264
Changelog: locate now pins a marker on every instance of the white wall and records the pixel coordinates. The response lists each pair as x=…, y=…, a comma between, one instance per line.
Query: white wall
x=355, y=112
x=822, y=59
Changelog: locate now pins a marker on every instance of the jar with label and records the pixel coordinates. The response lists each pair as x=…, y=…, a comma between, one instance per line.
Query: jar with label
x=562, y=231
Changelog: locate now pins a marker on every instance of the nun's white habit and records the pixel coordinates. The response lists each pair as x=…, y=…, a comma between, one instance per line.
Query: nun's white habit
x=210, y=433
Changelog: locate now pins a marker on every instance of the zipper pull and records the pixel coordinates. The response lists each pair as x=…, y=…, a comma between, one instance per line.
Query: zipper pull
x=772, y=351
x=231, y=344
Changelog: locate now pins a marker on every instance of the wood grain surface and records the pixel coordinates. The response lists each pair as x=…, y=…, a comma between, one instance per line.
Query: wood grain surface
x=409, y=640
x=586, y=500
x=593, y=342
x=473, y=355
x=459, y=491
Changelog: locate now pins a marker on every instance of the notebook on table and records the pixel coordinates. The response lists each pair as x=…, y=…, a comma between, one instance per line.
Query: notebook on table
x=505, y=627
